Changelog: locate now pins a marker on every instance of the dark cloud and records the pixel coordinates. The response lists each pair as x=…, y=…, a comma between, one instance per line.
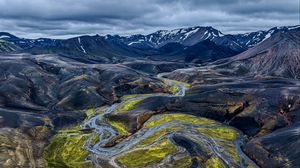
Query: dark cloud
x=64, y=18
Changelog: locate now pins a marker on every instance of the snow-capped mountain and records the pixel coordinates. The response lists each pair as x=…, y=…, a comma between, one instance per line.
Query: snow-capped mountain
x=27, y=43
x=249, y=40
x=151, y=42
x=193, y=35
x=186, y=36
x=276, y=56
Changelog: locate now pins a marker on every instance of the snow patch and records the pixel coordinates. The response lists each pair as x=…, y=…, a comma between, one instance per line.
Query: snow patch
x=186, y=35
x=4, y=36
x=135, y=42
x=293, y=27
x=79, y=41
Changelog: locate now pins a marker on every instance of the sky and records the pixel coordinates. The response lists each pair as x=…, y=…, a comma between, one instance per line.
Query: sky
x=68, y=18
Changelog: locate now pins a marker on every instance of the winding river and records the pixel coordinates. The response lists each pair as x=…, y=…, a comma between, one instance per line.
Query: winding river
x=106, y=133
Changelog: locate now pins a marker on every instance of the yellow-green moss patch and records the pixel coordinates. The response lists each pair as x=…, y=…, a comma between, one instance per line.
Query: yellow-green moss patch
x=119, y=126
x=95, y=139
x=174, y=88
x=181, y=83
x=144, y=157
x=214, y=162
x=219, y=132
x=90, y=111
x=127, y=97
x=178, y=118
x=67, y=151
x=129, y=105
x=183, y=162
x=230, y=149
x=151, y=138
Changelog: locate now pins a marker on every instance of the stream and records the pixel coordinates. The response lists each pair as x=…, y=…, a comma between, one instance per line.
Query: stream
x=106, y=133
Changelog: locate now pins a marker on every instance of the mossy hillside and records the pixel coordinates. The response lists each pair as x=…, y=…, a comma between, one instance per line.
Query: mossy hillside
x=66, y=149
x=164, y=118
x=119, y=126
x=129, y=105
x=230, y=149
x=127, y=97
x=184, y=162
x=95, y=110
x=220, y=132
x=158, y=133
x=147, y=156
x=224, y=135
x=214, y=162
x=180, y=83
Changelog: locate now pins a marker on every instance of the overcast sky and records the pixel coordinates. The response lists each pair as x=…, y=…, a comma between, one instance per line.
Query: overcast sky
x=66, y=18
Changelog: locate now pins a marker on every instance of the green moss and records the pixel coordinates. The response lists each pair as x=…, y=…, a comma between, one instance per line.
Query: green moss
x=181, y=83
x=151, y=138
x=127, y=97
x=147, y=156
x=129, y=105
x=67, y=150
x=174, y=88
x=183, y=162
x=230, y=149
x=90, y=111
x=214, y=162
x=219, y=132
x=95, y=139
x=70, y=130
x=178, y=118
x=119, y=126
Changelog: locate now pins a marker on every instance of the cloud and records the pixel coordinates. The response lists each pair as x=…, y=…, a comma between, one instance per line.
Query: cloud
x=64, y=18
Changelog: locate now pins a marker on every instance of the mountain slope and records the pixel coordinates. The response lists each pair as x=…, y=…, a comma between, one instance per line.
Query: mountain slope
x=204, y=51
x=185, y=36
x=91, y=49
x=193, y=35
x=279, y=55
x=7, y=46
x=27, y=43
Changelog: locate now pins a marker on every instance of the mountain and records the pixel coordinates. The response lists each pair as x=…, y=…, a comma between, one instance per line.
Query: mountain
x=249, y=40
x=279, y=55
x=204, y=51
x=7, y=46
x=27, y=43
x=184, y=45
x=185, y=36
x=193, y=35
x=91, y=49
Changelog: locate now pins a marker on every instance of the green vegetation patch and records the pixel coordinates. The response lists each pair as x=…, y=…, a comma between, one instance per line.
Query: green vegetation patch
x=66, y=150
x=219, y=132
x=147, y=156
x=129, y=105
x=151, y=138
x=160, y=119
x=214, y=162
x=119, y=126
x=95, y=139
x=127, y=97
x=183, y=162
x=90, y=111
x=174, y=89
x=181, y=83
x=230, y=149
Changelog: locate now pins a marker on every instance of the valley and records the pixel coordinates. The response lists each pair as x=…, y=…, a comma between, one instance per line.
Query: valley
x=192, y=97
